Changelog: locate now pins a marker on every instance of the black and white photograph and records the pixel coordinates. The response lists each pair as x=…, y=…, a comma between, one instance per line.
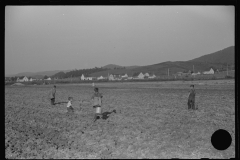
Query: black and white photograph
x=119, y=81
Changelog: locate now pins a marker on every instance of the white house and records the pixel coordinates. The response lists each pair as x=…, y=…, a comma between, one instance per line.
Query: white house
x=101, y=77
x=125, y=75
x=82, y=77
x=25, y=79
x=30, y=79
x=140, y=76
x=89, y=78
x=19, y=80
x=209, y=72
x=194, y=74
x=111, y=77
x=49, y=79
x=152, y=76
x=117, y=77
x=146, y=74
x=130, y=77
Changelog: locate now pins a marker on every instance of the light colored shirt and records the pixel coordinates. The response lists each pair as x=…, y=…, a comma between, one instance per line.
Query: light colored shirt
x=69, y=104
x=97, y=99
x=53, y=92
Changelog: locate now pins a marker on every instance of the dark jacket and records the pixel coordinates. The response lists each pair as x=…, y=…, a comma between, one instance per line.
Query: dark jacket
x=192, y=94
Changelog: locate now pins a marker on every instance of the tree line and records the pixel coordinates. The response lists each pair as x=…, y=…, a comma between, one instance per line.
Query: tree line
x=77, y=73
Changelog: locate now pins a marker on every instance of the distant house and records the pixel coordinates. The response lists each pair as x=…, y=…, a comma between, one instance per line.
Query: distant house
x=117, y=77
x=24, y=79
x=111, y=77
x=146, y=74
x=183, y=74
x=101, y=77
x=129, y=77
x=82, y=77
x=89, y=78
x=125, y=76
x=18, y=79
x=48, y=79
x=140, y=76
x=31, y=79
x=209, y=72
x=152, y=76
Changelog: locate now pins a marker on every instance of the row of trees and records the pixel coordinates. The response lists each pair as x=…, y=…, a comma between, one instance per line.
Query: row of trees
x=119, y=68
x=77, y=73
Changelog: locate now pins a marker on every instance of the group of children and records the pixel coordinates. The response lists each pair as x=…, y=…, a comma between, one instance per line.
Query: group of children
x=97, y=101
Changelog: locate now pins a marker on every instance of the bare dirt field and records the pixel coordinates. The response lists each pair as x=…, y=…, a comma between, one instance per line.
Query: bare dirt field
x=152, y=121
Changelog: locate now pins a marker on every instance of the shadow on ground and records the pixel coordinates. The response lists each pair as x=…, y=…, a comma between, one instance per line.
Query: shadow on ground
x=60, y=103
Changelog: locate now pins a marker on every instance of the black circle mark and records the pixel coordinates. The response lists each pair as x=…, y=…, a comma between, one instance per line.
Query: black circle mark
x=221, y=139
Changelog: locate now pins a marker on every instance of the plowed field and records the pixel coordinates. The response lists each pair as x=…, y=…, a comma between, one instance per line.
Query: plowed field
x=151, y=121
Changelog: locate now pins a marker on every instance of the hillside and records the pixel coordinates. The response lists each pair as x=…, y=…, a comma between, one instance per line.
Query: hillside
x=114, y=66
x=131, y=67
x=216, y=60
x=162, y=68
x=225, y=56
x=37, y=76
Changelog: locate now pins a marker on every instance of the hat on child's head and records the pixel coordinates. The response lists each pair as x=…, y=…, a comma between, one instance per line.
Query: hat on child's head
x=192, y=85
x=70, y=98
x=54, y=86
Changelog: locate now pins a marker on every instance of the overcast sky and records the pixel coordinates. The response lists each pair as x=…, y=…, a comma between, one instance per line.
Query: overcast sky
x=44, y=38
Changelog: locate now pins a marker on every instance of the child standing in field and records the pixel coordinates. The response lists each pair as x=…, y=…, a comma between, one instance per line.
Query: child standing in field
x=97, y=102
x=69, y=105
x=52, y=95
x=191, y=98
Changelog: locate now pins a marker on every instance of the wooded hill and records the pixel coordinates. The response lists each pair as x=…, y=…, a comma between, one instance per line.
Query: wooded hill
x=217, y=60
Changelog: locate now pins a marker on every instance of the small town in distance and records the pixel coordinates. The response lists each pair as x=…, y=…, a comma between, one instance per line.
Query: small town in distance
x=190, y=75
x=118, y=77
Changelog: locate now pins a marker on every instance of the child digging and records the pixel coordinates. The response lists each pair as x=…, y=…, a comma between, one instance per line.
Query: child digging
x=97, y=102
x=191, y=98
x=69, y=105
